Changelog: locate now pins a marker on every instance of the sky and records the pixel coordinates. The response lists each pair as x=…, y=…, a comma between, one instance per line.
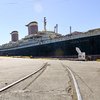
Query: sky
x=81, y=15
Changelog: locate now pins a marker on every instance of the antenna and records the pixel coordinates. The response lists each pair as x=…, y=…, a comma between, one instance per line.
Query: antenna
x=45, y=24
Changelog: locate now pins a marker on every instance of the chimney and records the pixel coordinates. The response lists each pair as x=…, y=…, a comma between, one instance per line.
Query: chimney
x=32, y=28
x=14, y=36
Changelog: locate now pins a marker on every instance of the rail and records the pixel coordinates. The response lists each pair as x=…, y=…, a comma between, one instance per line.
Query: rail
x=22, y=79
x=77, y=90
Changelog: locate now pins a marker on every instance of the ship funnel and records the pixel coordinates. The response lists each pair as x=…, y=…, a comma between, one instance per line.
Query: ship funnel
x=32, y=28
x=14, y=36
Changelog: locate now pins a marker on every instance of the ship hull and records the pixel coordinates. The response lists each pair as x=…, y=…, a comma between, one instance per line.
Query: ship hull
x=89, y=45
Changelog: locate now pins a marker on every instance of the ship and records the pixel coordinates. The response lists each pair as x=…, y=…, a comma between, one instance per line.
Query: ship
x=52, y=44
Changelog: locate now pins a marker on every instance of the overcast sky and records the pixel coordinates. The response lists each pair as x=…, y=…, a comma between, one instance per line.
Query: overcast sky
x=82, y=15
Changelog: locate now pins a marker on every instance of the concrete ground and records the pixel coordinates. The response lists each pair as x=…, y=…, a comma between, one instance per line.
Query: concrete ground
x=88, y=76
x=52, y=84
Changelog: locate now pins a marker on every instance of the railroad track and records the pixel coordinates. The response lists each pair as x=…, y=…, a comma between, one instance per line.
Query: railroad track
x=73, y=89
x=40, y=71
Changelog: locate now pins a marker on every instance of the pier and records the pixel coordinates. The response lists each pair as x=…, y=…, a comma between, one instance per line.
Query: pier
x=48, y=79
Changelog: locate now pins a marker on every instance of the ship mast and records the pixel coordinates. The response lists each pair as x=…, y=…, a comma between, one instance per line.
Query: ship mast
x=70, y=29
x=56, y=28
x=45, y=24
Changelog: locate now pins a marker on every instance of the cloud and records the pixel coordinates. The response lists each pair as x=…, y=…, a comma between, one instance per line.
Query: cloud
x=38, y=7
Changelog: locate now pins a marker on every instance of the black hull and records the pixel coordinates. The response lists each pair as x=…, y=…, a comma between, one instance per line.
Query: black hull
x=89, y=45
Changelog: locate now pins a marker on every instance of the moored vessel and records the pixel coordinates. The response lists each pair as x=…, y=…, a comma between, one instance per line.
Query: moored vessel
x=51, y=44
